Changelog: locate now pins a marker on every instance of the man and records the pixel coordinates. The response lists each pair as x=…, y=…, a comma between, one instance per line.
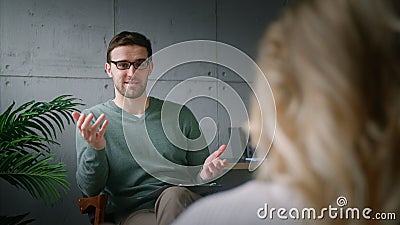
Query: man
x=107, y=162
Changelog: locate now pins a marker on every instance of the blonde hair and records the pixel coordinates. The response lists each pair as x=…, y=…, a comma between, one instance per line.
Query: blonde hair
x=333, y=69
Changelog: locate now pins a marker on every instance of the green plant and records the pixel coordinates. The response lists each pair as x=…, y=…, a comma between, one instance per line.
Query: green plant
x=26, y=135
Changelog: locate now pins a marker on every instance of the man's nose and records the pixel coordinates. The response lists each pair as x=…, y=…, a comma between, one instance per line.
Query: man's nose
x=131, y=71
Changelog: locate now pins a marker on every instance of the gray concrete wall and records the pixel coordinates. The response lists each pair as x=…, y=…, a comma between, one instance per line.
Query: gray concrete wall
x=49, y=48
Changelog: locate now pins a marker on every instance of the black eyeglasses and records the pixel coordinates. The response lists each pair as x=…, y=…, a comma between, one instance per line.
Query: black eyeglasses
x=139, y=64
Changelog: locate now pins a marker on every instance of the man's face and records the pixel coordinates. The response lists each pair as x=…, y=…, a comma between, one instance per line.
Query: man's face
x=130, y=83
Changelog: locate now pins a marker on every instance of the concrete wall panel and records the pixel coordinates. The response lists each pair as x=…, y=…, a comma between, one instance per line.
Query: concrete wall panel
x=54, y=38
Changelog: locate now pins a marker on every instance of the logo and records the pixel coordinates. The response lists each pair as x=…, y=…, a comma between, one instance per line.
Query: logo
x=330, y=212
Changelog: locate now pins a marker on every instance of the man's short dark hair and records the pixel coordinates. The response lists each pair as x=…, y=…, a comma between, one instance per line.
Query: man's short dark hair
x=129, y=38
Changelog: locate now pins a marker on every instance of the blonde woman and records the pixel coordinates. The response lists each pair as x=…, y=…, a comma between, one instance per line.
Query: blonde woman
x=333, y=67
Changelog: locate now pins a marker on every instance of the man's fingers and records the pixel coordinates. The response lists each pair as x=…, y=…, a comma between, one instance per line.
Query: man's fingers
x=212, y=167
x=220, y=150
x=86, y=123
x=103, y=128
x=76, y=115
x=99, y=120
x=208, y=172
x=80, y=121
x=220, y=164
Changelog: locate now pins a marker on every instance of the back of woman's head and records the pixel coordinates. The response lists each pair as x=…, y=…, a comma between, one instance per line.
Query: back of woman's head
x=334, y=71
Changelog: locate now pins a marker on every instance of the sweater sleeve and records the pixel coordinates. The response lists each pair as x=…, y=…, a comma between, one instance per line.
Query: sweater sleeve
x=92, y=167
x=191, y=129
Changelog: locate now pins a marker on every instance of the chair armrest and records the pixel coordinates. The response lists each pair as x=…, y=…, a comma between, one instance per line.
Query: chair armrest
x=99, y=202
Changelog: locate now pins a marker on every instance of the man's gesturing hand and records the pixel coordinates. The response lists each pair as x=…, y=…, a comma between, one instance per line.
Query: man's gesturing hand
x=91, y=133
x=213, y=164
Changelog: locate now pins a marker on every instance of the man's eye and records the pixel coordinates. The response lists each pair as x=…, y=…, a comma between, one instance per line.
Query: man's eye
x=124, y=65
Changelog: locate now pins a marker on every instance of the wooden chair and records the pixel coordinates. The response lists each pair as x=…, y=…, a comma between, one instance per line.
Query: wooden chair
x=94, y=207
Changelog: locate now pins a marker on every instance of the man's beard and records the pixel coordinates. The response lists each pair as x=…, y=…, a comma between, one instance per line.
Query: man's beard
x=132, y=93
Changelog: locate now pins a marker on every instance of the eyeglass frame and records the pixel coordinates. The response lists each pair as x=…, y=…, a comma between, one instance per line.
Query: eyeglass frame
x=147, y=61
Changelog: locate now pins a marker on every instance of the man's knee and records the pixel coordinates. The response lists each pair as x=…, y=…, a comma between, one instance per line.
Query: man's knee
x=178, y=196
x=172, y=202
x=180, y=193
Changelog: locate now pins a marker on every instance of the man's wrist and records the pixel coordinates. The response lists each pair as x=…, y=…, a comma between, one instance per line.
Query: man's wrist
x=98, y=147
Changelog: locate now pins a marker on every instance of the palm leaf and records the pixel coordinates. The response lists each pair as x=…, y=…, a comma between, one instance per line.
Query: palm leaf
x=25, y=135
x=15, y=220
x=34, y=173
x=4, y=116
x=35, y=119
x=23, y=144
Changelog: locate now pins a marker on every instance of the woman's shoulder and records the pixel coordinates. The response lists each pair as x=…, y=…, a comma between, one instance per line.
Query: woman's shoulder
x=240, y=205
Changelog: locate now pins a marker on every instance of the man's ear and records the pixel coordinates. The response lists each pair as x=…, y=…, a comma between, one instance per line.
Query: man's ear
x=107, y=68
x=151, y=67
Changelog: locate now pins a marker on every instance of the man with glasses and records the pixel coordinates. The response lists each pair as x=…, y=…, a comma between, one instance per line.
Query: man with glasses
x=105, y=162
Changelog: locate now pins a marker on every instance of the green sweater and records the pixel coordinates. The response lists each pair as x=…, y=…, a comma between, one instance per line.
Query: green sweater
x=114, y=169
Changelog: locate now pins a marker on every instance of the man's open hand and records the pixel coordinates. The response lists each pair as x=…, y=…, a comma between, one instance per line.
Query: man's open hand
x=213, y=164
x=91, y=133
